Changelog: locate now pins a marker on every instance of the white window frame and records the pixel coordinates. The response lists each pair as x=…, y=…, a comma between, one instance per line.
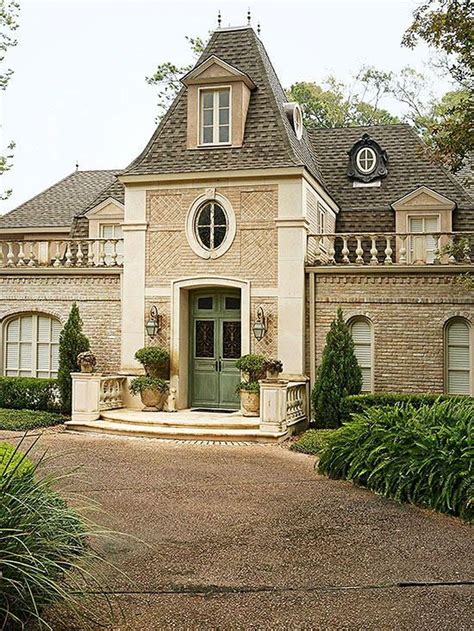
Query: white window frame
x=215, y=133
x=447, y=369
x=368, y=321
x=362, y=169
x=193, y=241
x=108, y=246
x=34, y=371
x=423, y=217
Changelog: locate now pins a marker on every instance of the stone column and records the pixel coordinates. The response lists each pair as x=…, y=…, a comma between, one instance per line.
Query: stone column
x=85, y=396
x=273, y=406
x=133, y=279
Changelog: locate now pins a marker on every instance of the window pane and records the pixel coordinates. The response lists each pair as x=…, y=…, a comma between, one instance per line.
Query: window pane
x=25, y=357
x=205, y=237
x=43, y=357
x=431, y=224
x=362, y=335
x=219, y=216
x=224, y=133
x=26, y=328
x=224, y=98
x=204, y=341
x=13, y=331
x=44, y=328
x=54, y=357
x=459, y=358
x=416, y=224
x=107, y=231
x=207, y=117
x=204, y=216
x=219, y=235
x=207, y=100
x=12, y=357
x=232, y=302
x=205, y=302
x=207, y=135
x=224, y=117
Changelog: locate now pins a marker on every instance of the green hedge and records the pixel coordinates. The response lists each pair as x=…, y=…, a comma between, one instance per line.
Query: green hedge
x=358, y=403
x=422, y=455
x=312, y=441
x=23, y=420
x=13, y=461
x=29, y=393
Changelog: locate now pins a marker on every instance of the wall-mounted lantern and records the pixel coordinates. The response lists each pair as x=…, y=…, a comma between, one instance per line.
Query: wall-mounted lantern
x=260, y=325
x=153, y=325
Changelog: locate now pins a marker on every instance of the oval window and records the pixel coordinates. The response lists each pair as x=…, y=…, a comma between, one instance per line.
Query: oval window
x=366, y=160
x=211, y=225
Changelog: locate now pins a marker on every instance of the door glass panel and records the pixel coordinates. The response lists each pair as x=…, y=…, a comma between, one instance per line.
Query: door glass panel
x=231, y=340
x=232, y=302
x=205, y=302
x=204, y=340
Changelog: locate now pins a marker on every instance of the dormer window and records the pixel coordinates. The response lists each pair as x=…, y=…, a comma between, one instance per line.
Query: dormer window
x=215, y=116
x=366, y=160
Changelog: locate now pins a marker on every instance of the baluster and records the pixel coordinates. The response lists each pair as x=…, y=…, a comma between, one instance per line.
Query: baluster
x=79, y=254
x=373, y=251
x=57, y=256
x=317, y=249
x=359, y=252
x=10, y=255
x=114, y=252
x=452, y=258
x=68, y=255
x=101, y=261
x=388, y=251
x=21, y=255
x=90, y=254
x=331, y=250
x=2, y=262
x=402, y=259
x=466, y=252
x=345, y=250
x=32, y=262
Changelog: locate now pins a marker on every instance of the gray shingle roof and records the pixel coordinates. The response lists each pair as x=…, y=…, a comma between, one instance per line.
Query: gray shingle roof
x=269, y=140
x=367, y=209
x=57, y=205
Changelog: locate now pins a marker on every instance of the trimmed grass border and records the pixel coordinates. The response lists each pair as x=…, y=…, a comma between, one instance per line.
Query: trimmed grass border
x=23, y=420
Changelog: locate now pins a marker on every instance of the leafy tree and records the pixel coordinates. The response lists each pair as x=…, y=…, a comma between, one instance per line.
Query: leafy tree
x=339, y=375
x=167, y=76
x=9, y=12
x=72, y=341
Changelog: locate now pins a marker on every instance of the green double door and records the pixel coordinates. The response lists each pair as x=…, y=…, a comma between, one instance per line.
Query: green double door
x=215, y=345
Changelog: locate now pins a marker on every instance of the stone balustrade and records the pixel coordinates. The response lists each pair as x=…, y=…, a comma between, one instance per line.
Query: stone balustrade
x=61, y=253
x=405, y=248
x=93, y=393
x=284, y=405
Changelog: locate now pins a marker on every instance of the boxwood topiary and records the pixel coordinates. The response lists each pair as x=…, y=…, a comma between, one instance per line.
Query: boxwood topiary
x=155, y=360
x=139, y=384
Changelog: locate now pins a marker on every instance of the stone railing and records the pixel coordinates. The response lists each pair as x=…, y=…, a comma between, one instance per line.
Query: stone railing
x=93, y=393
x=283, y=405
x=405, y=248
x=61, y=253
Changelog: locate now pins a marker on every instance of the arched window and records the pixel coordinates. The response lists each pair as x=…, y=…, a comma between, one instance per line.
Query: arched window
x=458, y=357
x=361, y=331
x=31, y=346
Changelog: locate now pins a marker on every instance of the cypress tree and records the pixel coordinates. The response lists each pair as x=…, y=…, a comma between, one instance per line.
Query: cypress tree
x=338, y=376
x=72, y=341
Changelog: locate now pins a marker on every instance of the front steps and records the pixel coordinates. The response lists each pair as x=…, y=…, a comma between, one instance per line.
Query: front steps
x=182, y=425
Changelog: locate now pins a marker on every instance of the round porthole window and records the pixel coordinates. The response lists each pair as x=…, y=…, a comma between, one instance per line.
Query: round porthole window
x=366, y=160
x=210, y=226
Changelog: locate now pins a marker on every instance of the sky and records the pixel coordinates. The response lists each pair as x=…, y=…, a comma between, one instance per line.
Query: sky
x=78, y=93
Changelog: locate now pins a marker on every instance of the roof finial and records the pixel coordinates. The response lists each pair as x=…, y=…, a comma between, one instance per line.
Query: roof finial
x=258, y=28
x=219, y=19
x=77, y=165
x=249, y=17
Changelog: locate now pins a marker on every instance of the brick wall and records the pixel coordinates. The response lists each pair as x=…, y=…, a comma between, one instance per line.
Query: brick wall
x=252, y=255
x=97, y=295
x=408, y=313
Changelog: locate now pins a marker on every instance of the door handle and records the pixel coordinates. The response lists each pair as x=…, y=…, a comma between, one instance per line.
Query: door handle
x=216, y=365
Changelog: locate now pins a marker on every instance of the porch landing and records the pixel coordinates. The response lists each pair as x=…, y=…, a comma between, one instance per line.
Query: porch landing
x=181, y=425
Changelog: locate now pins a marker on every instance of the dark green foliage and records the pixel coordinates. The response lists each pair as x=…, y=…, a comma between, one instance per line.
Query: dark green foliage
x=338, y=376
x=421, y=455
x=248, y=386
x=312, y=441
x=253, y=368
x=72, y=341
x=13, y=461
x=139, y=384
x=155, y=360
x=24, y=420
x=29, y=393
x=360, y=402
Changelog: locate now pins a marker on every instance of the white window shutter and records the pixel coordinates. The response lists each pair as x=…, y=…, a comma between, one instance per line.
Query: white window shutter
x=362, y=336
x=458, y=358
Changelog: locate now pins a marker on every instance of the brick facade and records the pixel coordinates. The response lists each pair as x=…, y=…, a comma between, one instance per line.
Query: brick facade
x=408, y=312
x=97, y=295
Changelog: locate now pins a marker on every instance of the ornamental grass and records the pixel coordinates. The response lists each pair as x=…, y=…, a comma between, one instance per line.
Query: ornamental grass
x=423, y=455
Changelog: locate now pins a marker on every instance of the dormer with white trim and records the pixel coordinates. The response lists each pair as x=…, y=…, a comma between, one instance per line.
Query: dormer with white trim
x=218, y=99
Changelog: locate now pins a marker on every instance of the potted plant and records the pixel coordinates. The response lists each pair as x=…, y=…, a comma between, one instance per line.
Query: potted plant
x=155, y=360
x=152, y=392
x=253, y=369
x=273, y=368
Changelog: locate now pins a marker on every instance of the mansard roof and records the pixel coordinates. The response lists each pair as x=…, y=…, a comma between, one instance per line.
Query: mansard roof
x=56, y=206
x=408, y=167
x=269, y=139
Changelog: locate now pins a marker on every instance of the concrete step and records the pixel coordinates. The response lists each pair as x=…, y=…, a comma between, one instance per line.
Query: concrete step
x=174, y=432
x=211, y=420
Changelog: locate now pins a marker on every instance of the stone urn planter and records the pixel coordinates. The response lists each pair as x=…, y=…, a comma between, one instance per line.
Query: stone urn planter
x=153, y=392
x=250, y=402
x=86, y=361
